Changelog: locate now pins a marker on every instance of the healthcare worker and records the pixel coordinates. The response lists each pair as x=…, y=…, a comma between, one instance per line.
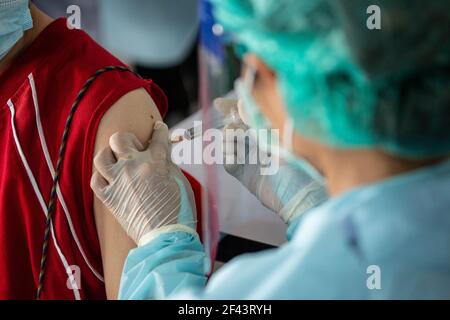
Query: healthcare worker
x=367, y=109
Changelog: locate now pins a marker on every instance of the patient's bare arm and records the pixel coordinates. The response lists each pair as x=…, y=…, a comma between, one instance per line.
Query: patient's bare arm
x=135, y=112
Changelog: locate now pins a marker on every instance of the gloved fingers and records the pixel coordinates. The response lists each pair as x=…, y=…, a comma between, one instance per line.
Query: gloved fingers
x=147, y=169
x=229, y=144
x=104, y=162
x=229, y=109
x=225, y=105
x=242, y=113
x=236, y=126
x=159, y=144
x=231, y=132
x=99, y=185
x=238, y=145
x=230, y=135
x=124, y=144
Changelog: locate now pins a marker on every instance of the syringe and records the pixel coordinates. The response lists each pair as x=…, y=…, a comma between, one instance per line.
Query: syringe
x=217, y=123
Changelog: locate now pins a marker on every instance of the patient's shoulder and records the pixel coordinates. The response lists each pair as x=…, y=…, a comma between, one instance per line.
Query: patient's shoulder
x=134, y=112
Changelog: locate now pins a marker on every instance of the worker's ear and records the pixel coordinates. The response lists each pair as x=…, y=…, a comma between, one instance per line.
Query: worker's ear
x=266, y=77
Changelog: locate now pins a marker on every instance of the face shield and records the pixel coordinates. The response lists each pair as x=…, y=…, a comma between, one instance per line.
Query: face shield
x=218, y=69
x=228, y=207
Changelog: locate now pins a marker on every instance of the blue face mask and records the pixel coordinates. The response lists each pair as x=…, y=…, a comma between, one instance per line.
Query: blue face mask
x=256, y=120
x=15, y=18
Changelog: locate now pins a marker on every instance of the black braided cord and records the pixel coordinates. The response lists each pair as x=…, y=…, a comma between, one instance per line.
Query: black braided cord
x=62, y=149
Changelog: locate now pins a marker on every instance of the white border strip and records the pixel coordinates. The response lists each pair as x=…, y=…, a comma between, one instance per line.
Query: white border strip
x=52, y=172
x=67, y=269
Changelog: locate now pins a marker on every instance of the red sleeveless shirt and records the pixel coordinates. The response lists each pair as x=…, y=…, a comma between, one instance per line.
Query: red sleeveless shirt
x=36, y=93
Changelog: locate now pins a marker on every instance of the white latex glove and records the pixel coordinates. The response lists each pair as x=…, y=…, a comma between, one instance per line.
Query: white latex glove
x=143, y=189
x=290, y=192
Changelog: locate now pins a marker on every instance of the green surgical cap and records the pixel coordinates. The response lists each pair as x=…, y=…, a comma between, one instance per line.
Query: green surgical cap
x=348, y=86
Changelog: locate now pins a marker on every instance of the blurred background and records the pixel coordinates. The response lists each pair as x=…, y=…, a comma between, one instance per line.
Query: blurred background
x=158, y=38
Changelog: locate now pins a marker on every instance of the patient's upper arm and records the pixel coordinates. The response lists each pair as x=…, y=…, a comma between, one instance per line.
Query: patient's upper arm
x=134, y=112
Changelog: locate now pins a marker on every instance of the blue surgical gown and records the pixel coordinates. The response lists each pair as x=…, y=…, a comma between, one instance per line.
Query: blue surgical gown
x=397, y=230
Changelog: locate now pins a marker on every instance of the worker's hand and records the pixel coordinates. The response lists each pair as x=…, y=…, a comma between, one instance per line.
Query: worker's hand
x=289, y=192
x=236, y=163
x=143, y=189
